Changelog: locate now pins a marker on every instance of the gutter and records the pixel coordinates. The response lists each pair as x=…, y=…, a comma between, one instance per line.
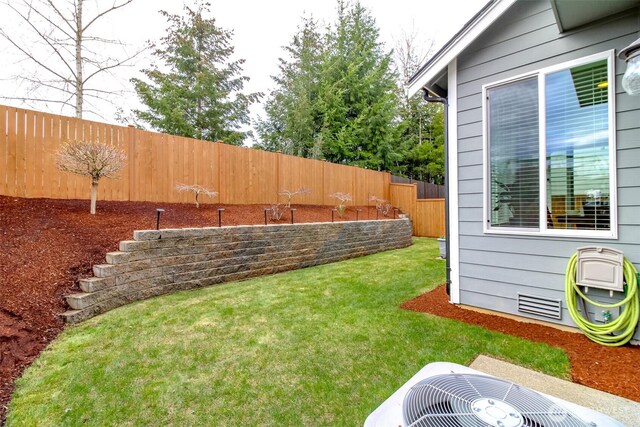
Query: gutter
x=445, y=103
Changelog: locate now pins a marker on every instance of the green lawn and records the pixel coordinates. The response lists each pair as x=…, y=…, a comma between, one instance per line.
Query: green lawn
x=319, y=346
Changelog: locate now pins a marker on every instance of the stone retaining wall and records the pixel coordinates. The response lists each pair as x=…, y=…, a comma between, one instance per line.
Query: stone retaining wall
x=158, y=262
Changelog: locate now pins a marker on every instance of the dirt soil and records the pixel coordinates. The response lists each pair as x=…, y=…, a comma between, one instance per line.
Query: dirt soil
x=611, y=369
x=48, y=244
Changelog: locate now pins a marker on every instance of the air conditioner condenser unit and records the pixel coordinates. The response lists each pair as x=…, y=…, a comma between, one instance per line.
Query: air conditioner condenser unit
x=450, y=395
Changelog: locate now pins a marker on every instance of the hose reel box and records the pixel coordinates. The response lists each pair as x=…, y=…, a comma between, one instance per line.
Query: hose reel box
x=601, y=268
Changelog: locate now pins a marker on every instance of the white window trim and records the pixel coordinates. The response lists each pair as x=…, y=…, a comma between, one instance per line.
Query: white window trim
x=609, y=55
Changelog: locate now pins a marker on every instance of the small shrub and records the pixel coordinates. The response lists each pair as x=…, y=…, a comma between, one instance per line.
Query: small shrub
x=197, y=190
x=342, y=199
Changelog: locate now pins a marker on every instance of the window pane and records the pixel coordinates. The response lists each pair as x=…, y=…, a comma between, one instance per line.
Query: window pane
x=577, y=128
x=514, y=154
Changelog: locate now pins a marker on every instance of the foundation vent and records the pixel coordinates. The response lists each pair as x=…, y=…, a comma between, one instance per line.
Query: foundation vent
x=541, y=306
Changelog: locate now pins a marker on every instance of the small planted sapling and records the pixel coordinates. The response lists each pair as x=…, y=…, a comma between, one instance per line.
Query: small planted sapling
x=197, y=190
x=289, y=195
x=92, y=158
x=276, y=212
x=383, y=206
x=342, y=199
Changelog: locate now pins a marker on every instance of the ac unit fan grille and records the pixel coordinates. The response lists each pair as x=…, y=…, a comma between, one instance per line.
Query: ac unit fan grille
x=464, y=400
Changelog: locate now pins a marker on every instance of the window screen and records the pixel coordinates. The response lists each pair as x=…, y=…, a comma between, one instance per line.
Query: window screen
x=514, y=157
x=577, y=146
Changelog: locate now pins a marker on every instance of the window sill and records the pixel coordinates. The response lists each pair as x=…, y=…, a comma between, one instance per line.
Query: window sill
x=570, y=234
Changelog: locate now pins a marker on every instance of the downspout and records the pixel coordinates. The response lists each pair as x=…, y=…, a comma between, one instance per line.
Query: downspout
x=445, y=104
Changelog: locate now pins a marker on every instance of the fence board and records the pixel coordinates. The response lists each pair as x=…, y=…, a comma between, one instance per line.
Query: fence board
x=430, y=221
x=295, y=173
x=403, y=196
x=338, y=179
x=30, y=160
x=4, y=143
x=21, y=154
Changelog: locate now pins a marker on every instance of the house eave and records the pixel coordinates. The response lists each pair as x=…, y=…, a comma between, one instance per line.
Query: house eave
x=571, y=15
x=437, y=65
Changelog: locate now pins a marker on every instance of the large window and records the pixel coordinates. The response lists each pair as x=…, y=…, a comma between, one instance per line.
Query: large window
x=550, y=151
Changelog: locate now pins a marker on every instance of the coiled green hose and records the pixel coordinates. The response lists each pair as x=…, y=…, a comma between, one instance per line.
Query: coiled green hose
x=617, y=332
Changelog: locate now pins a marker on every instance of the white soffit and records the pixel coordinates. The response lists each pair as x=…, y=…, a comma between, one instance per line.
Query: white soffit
x=471, y=30
x=574, y=14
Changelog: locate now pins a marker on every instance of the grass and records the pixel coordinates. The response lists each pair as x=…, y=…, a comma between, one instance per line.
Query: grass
x=322, y=346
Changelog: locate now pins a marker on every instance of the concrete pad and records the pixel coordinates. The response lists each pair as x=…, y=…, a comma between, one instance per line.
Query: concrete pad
x=624, y=410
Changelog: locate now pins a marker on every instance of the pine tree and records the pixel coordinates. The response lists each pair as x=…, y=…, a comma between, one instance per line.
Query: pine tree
x=420, y=125
x=200, y=94
x=358, y=93
x=335, y=95
x=293, y=119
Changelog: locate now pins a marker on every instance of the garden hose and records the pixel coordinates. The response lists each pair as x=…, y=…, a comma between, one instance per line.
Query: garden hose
x=620, y=330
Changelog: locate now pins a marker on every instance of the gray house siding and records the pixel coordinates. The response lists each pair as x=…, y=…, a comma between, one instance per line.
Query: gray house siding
x=495, y=268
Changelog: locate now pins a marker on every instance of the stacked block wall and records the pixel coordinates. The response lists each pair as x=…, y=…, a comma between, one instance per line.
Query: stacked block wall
x=158, y=262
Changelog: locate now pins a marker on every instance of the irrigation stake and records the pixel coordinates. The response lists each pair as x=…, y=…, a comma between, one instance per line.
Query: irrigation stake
x=358, y=213
x=158, y=212
x=220, y=210
x=292, y=211
x=265, y=215
x=332, y=211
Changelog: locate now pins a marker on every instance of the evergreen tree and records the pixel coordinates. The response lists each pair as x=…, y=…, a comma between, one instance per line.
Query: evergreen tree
x=420, y=126
x=335, y=96
x=293, y=119
x=422, y=131
x=358, y=93
x=200, y=94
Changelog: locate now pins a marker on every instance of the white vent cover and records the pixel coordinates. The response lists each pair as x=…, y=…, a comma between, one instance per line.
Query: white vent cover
x=601, y=268
x=539, y=305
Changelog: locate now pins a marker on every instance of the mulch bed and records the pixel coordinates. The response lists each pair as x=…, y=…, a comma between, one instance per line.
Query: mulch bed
x=615, y=370
x=48, y=244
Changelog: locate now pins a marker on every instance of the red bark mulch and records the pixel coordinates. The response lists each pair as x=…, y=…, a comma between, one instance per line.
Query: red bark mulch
x=615, y=370
x=48, y=244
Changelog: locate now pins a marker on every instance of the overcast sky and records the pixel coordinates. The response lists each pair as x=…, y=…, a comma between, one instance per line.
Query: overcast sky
x=260, y=30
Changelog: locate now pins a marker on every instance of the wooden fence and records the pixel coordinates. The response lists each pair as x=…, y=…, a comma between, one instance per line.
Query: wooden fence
x=158, y=162
x=426, y=190
x=427, y=214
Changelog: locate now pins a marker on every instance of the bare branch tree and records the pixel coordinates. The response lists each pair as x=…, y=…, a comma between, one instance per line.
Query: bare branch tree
x=410, y=52
x=289, y=194
x=342, y=199
x=197, y=190
x=63, y=56
x=92, y=158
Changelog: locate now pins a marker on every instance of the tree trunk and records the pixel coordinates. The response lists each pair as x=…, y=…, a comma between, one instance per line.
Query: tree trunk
x=79, y=83
x=94, y=195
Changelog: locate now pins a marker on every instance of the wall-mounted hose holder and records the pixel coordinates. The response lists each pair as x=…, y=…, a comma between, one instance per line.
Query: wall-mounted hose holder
x=603, y=268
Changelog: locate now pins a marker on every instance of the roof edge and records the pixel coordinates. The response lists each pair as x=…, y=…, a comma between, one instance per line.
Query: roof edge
x=463, y=38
